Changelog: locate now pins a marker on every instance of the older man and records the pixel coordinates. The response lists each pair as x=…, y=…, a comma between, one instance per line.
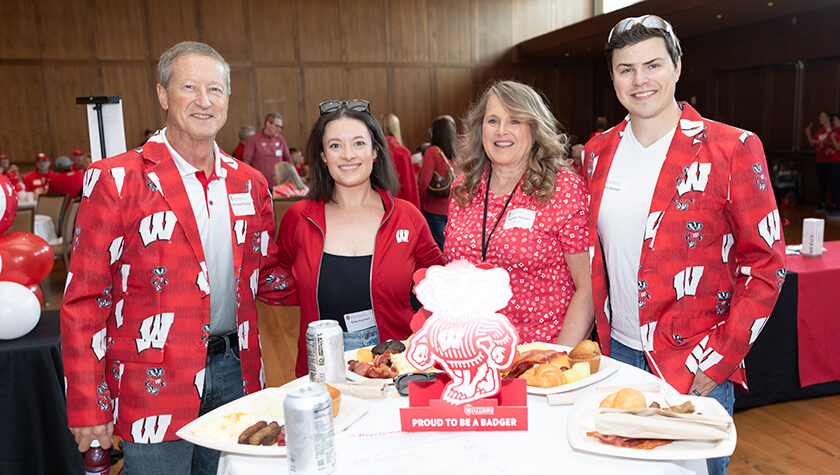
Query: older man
x=174, y=242
x=688, y=252
x=39, y=179
x=267, y=147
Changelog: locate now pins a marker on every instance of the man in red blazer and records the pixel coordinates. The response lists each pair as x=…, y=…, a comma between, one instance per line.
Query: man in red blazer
x=688, y=254
x=174, y=240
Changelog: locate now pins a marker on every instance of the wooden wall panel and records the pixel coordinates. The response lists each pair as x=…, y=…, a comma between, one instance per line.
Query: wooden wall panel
x=779, y=131
x=321, y=84
x=169, y=23
x=413, y=104
x=450, y=31
x=240, y=108
x=454, y=91
x=279, y=90
x=492, y=29
x=136, y=86
x=319, y=30
x=527, y=26
x=272, y=30
x=370, y=84
x=821, y=90
x=749, y=91
x=222, y=26
x=120, y=30
x=409, y=31
x=68, y=121
x=18, y=37
x=363, y=31
x=64, y=29
x=25, y=130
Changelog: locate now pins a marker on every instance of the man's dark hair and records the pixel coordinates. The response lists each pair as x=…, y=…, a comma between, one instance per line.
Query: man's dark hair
x=321, y=183
x=639, y=33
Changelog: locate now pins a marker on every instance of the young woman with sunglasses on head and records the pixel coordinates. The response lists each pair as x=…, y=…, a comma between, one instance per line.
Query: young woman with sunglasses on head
x=351, y=248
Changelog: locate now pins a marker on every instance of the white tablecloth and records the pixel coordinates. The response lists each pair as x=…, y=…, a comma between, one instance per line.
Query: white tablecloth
x=376, y=445
x=45, y=229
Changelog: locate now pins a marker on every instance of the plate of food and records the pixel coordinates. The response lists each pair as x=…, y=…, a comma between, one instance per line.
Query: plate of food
x=632, y=424
x=548, y=368
x=253, y=424
x=383, y=361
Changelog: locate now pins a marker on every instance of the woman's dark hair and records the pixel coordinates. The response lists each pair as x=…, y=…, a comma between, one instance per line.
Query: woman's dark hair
x=443, y=135
x=321, y=183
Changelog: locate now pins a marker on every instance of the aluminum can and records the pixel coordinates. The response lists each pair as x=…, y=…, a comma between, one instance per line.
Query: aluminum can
x=310, y=440
x=325, y=352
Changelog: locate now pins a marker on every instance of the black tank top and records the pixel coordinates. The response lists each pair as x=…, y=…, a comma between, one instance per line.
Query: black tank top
x=343, y=286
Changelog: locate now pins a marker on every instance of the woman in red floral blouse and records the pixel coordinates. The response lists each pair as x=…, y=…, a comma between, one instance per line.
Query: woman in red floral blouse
x=520, y=206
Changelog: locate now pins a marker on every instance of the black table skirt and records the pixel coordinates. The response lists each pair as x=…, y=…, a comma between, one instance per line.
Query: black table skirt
x=34, y=438
x=773, y=361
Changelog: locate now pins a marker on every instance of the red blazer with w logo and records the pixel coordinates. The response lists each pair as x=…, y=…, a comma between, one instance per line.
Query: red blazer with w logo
x=713, y=255
x=135, y=315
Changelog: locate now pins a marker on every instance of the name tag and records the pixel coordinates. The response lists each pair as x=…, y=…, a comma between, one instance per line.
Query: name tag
x=242, y=204
x=278, y=153
x=360, y=320
x=520, y=218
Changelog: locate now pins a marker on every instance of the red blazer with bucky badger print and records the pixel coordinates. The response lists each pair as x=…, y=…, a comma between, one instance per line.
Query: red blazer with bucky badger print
x=712, y=261
x=136, y=306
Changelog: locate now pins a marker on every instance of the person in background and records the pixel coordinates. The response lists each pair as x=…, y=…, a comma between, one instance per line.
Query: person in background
x=688, y=253
x=245, y=132
x=824, y=151
x=352, y=248
x=38, y=180
x=289, y=182
x=159, y=321
x=77, y=159
x=10, y=171
x=67, y=181
x=436, y=159
x=520, y=206
x=834, y=179
x=300, y=164
x=601, y=125
x=4, y=163
x=267, y=147
x=401, y=158
x=86, y=161
x=577, y=156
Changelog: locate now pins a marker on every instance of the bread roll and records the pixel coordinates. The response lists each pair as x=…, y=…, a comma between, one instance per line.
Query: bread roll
x=335, y=394
x=625, y=399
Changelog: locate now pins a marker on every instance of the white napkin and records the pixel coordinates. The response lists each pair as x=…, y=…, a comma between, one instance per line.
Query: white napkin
x=368, y=389
x=657, y=424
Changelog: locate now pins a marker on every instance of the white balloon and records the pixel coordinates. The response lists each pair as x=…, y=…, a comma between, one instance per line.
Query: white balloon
x=19, y=310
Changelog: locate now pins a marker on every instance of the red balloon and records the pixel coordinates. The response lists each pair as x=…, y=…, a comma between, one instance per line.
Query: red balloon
x=37, y=291
x=8, y=204
x=25, y=258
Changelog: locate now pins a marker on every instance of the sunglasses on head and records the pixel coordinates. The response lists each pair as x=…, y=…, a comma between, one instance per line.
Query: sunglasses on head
x=401, y=381
x=358, y=105
x=648, y=21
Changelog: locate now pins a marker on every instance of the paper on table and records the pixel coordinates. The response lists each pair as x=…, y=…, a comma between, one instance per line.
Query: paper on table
x=370, y=389
x=563, y=399
x=657, y=424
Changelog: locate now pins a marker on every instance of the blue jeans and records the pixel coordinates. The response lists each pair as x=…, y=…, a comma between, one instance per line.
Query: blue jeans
x=722, y=393
x=222, y=384
x=437, y=223
x=361, y=338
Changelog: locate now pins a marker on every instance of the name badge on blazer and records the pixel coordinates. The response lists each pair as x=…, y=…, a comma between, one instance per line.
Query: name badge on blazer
x=242, y=204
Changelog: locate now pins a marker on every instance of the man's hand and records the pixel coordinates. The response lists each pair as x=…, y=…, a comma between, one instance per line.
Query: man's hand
x=702, y=384
x=85, y=435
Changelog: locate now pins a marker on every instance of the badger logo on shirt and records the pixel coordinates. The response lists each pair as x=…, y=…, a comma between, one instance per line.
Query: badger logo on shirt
x=205, y=333
x=693, y=235
x=643, y=293
x=154, y=381
x=105, y=300
x=683, y=205
x=758, y=176
x=276, y=282
x=722, y=303
x=780, y=277
x=159, y=279
x=103, y=396
x=255, y=242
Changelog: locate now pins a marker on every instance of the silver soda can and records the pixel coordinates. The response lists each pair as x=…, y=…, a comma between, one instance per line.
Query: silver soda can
x=325, y=351
x=310, y=441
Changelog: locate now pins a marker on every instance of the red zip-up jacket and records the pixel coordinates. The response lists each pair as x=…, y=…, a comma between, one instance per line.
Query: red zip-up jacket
x=403, y=245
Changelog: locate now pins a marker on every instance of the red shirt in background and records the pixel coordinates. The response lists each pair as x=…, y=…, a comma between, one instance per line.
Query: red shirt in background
x=239, y=151
x=38, y=182
x=433, y=161
x=824, y=152
x=401, y=158
x=68, y=183
x=263, y=152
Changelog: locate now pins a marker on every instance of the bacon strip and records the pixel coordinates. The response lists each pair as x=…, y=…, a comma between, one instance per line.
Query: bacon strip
x=523, y=361
x=629, y=442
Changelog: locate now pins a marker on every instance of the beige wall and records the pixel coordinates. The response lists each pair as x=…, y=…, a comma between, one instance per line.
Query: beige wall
x=417, y=58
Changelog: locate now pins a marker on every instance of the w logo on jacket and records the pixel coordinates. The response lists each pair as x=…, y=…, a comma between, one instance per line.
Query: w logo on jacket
x=157, y=227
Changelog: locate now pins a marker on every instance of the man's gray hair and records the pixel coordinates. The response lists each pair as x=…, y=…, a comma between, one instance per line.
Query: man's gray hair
x=167, y=59
x=246, y=131
x=273, y=115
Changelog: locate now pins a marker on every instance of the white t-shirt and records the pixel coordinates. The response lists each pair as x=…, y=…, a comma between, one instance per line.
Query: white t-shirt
x=212, y=216
x=621, y=227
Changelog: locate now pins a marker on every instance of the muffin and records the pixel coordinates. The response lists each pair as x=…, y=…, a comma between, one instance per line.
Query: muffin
x=587, y=351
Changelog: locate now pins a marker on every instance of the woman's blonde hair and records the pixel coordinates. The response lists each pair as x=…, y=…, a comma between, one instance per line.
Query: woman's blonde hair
x=391, y=126
x=285, y=173
x=548, y=153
